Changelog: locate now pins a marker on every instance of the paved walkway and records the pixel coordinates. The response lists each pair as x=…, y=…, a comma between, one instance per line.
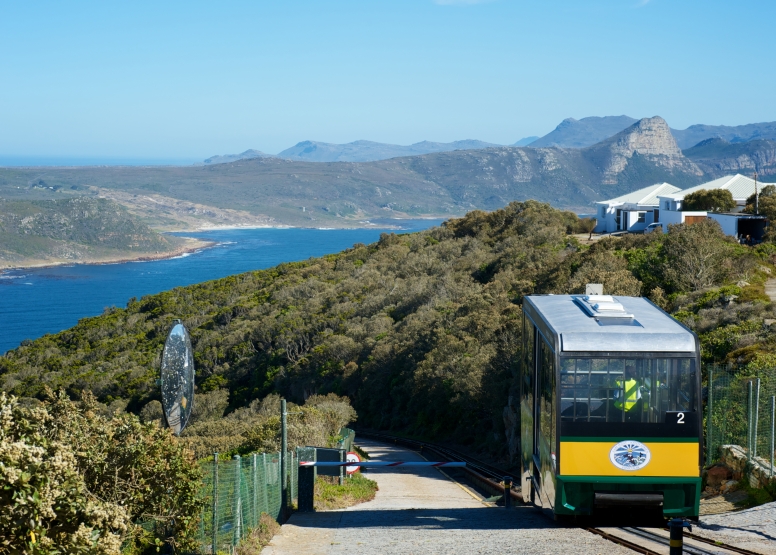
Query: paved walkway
x=419, y=510
x=753, y=529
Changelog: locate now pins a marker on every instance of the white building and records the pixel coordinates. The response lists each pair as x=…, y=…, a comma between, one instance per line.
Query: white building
x=633, y=211
x=733, y=223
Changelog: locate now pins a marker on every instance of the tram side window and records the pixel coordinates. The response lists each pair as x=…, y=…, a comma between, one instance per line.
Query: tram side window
x=529, y=345
x=547, y=400
x=626, y=389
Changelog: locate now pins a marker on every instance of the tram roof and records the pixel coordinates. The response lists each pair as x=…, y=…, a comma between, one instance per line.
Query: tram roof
x=649, y=330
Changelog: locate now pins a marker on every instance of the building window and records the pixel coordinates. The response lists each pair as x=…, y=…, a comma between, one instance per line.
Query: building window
x=642, y=217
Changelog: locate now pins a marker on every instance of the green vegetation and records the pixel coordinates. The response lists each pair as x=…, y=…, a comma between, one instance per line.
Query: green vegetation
x=73, y=229
x=260, y=536
x=256, y=428
x=355, y=489
x=710, y=200
x=766, y=203
x=422, y=332
x=75, y=481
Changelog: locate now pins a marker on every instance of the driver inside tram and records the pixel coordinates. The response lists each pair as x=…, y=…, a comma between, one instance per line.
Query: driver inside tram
x=627, y=396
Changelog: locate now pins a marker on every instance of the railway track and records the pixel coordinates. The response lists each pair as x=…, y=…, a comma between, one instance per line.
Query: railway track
x=640, y=540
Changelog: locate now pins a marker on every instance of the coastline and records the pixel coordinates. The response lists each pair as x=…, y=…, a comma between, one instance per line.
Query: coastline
x=191, y=245
x=359, y=224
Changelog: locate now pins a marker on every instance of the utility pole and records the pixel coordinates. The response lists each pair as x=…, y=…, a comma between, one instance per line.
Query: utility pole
x=756, y=196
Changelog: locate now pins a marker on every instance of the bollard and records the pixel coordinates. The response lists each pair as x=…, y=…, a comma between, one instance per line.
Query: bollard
x=676, y=543
x=507, y=492
x=306, y=493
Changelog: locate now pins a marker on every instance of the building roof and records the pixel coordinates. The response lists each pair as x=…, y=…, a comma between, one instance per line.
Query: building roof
x=739, y=186
x=649, y=330
x=646, y=196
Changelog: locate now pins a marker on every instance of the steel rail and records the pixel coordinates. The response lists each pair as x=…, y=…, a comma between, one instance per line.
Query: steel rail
x=623, y=542
x=491, y=477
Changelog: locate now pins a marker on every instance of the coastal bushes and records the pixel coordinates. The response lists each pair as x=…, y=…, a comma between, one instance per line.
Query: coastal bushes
x=75, y=481
x=256, y=428
x=421, y=332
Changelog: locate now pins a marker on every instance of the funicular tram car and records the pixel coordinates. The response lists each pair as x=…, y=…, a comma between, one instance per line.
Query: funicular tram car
x=610, y=408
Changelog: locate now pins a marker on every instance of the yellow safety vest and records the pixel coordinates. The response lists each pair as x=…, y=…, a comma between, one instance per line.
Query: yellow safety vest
x=631, y=396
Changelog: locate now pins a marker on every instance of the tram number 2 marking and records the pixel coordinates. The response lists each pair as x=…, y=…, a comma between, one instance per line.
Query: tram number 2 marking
x=680, y=418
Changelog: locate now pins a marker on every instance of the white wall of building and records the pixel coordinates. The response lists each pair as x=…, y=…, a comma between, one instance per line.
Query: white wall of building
x=729, y=223
x=668, y=217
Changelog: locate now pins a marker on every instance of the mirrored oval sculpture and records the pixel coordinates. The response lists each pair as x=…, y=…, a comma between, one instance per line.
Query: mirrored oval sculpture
x=177, y=378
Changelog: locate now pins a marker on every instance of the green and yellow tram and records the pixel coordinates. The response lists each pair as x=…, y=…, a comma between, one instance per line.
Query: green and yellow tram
x=610, y=407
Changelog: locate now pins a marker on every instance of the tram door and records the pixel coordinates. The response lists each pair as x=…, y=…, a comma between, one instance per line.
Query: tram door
x=528, y=437
x=545, y=423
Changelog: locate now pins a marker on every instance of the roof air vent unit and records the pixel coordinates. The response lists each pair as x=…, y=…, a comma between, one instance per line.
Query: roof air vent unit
x=603, y=307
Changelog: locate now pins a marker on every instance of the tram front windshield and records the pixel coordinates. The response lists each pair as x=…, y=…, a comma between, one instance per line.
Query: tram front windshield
x=626, y=389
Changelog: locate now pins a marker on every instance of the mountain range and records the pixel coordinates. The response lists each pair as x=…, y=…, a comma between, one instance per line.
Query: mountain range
x=342, y=194
x=570, y=133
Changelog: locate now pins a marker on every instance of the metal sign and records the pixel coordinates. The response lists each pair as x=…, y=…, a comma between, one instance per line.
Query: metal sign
x=352, y=457
x=177, y=378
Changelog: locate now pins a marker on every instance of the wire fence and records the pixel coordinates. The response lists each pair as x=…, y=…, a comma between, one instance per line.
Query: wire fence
x=238, y=490
x=740, y=411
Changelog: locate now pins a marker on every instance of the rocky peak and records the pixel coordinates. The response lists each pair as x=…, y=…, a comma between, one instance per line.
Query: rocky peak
x=650, y=138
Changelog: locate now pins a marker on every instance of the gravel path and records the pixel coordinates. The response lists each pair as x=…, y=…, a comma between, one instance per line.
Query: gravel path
x=419, y=510
x=753, y=529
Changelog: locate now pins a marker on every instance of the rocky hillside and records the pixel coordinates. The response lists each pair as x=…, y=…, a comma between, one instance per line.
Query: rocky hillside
x=733, y=134
x=73, y=229
x=573, y=133
x=649, y=141
x=717, y=157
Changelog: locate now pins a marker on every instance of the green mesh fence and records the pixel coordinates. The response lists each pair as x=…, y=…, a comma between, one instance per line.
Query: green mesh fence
x=740, y=411
x=348, y=437
x=237, y=492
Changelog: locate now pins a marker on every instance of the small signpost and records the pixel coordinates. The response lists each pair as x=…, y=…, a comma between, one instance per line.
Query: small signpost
x=352, y=458
x=177, y=378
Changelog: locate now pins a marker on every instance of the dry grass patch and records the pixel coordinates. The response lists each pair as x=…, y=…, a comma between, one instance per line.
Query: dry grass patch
x=330, y=495
x=260, y=537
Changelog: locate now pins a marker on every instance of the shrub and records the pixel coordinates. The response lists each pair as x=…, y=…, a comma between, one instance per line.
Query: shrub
x=79, y=482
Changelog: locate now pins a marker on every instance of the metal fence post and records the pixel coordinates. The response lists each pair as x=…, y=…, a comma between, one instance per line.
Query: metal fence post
x=215, y=502
x=283, y=456
x=756, y=419
x=709, y=425
x=236, y=525
x=255, y=475
x=266, y=493
x=749, y=421
x=773, y=428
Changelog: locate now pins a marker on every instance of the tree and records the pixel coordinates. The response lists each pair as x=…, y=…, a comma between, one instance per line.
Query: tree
x=608, y=269
x=766, y=205
x=710, y=200
x=696, y=256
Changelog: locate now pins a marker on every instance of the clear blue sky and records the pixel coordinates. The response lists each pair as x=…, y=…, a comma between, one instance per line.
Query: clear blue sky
x=187, y=80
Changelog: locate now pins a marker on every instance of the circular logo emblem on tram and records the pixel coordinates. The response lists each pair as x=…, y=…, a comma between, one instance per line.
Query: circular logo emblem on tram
x=630, y=455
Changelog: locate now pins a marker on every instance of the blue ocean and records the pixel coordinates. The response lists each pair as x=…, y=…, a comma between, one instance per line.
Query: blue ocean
x=48, y=300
